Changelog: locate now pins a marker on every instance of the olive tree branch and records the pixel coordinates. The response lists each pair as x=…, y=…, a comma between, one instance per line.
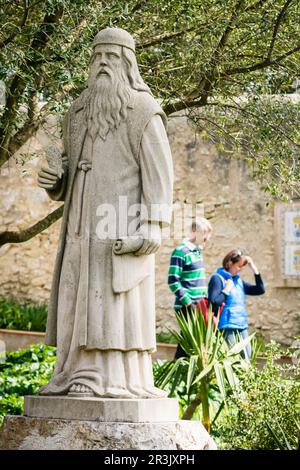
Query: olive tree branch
x=16, y=89
x=28, y=233
x=278, y=22
x=206, y=83
x=20, y=26
x=256, y=116
x=260, y=65
x=255, y=5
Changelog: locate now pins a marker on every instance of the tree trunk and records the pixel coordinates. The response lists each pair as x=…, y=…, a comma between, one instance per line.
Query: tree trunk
x=205, y=405
x=189, y=412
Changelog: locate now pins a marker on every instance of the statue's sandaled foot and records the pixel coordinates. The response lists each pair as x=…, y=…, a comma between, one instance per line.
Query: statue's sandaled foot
x=50, y=389
x=154, y=392
x=114, y=392
x=148, y=392
x=139, y=392
x=79, y=390
x=43, y=390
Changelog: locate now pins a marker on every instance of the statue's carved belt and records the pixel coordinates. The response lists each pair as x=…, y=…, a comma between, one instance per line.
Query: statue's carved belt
x=84, y=166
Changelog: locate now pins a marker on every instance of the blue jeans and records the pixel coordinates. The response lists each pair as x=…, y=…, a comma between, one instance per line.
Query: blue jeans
x=229, y=335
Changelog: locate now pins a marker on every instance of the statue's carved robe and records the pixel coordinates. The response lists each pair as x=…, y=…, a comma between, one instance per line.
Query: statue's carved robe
x=102, y=306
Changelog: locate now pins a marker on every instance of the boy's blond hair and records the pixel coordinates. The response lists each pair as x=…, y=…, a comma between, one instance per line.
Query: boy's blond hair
x=201, y=223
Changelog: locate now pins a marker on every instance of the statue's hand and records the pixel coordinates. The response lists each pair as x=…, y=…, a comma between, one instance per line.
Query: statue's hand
x=127, y=245
x=151, y=234
x=48, y=178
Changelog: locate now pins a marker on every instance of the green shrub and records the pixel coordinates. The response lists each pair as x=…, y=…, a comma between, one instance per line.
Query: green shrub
x=165, y=338
x=28, y=317
x=260, y=343
x=23, y=373
x=264, y=412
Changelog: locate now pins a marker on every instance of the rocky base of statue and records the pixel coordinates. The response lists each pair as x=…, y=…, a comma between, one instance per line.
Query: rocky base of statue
x=25, y=433
x=65, y=422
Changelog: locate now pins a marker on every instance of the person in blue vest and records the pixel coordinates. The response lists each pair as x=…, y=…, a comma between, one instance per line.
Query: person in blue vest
x=226, y=287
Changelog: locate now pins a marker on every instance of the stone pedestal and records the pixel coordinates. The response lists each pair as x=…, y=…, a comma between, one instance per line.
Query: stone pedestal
x=102, y=409
x=67, y=423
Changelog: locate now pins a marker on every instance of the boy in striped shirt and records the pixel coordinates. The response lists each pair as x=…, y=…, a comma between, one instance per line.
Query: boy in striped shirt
x=186, y=277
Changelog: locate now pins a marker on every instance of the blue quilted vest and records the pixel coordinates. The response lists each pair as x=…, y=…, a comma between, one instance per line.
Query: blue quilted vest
x=234, y=313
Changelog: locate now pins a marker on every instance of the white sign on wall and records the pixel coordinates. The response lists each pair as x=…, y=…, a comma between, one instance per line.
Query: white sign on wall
x=287, y=234
x=292, y=226
x=292, y=260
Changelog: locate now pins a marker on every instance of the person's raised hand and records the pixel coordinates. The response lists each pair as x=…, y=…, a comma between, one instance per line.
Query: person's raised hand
x=251, y=264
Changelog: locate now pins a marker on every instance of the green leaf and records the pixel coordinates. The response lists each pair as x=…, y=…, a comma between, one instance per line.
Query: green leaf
x=240, y=345
x=232, y=379
x=192, y=370
x=220, y=380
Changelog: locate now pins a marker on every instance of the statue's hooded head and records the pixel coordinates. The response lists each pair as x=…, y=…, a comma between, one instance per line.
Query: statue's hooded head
x=113, y=75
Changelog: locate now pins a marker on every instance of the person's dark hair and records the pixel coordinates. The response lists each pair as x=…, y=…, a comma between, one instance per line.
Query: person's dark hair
x=233, y=256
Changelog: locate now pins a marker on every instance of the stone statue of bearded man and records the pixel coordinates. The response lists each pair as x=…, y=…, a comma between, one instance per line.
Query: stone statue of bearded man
x=116, y=182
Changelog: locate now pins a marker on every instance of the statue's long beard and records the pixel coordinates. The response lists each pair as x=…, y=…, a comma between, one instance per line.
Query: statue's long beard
x=106, y=106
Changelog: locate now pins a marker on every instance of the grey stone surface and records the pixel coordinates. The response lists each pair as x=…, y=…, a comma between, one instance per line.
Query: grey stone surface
x=23, y=433
x=103, y=409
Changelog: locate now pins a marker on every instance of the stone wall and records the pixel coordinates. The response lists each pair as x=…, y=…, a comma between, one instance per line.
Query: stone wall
x=26, y=269
x=242, y=216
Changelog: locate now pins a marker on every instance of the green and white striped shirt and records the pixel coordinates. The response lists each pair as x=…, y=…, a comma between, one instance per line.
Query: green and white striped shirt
x=186, y=277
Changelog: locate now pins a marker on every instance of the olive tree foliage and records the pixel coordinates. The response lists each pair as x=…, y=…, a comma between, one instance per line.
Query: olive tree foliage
x=230, y=65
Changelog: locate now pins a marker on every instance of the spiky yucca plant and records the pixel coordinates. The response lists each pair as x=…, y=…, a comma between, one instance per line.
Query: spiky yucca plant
x=211, y=362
